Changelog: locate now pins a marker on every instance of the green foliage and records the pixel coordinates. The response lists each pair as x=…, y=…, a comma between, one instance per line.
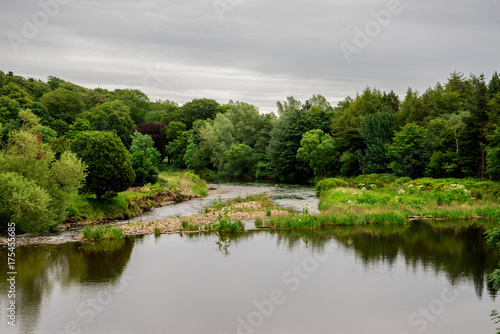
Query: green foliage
x=80, y=125
x=16, y=93
x=35, y=182
x=493, y=238
x=111, y=116
x=287, y=135
x=376, y=129
x=145, y=159
x=198, y=109
x=198, y=152
x=318, y=149
x=106, y=232
x=407, y=151
x=176, y=150
x=8, y=109
x=24, y=202
x=240, y=160
x=190, y=176
x=63, y=104
x=328, y=184
x=136, y=102
x=174, y=129
x=109, y=166
x=224, y=224
x=493, y=151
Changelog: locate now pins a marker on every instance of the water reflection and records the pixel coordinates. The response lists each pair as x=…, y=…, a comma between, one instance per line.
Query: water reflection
x=43, y=268
x=457, y=250
x=191, y=276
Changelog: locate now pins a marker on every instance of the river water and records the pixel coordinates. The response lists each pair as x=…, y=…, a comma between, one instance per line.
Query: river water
x=426, y=277
x=284, y=195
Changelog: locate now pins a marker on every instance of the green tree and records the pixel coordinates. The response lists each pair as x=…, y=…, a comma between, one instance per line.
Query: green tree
x=163, y=112
x=198, y=152
x=32, y=171
x=80, y=125
x=173, y=130
x=376, y=129
x=93, y=98
x=286, y=136
x=407, y=152
x=112, y=116
x=109, y=166
x=176, y=149
x=145, y=159
x=347, y=116
x=24, y=202
x=136, y=101
x=493, y=153
x=8, y=109
x=413, y=110
x=218, y=134
x=240, y=160
x=63, y=104
x=318, y=149
x=198, y=109
x=16, y=93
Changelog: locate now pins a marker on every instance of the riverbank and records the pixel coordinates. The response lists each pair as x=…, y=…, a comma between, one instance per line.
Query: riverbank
x=172, y=187
x=238, y=209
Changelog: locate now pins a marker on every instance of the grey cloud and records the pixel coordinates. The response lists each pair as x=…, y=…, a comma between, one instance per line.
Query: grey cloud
x=262, y=50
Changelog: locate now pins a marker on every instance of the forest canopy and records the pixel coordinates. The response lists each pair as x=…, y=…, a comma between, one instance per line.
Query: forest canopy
x=450, y=130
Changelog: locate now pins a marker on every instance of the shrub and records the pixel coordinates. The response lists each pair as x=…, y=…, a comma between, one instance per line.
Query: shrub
x=329, y=183
x=190, y=176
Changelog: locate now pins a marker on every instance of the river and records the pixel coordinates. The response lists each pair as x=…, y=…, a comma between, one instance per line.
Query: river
x=425, y=277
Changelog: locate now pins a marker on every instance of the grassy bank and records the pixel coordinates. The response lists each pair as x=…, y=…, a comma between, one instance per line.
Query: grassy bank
x=386, y=199
x=172, y=187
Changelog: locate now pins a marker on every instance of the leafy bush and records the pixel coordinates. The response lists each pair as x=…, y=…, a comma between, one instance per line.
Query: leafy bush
x=328, y=184
x=190, y=176
x=35, y=186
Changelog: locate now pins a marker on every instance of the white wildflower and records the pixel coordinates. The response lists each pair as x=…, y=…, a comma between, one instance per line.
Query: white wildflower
x=401, y=191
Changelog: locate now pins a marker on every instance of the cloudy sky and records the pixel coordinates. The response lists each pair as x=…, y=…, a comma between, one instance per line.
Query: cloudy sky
x=250, y=50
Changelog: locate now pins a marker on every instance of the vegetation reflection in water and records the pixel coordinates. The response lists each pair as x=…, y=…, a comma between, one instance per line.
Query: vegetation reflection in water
x=458, y=251
x=41, y=268
x=456, y=248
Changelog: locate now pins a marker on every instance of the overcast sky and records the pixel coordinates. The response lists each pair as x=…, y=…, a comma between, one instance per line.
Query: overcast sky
x=250, y=50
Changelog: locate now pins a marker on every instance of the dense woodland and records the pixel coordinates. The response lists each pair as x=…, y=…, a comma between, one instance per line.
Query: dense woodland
x=450, y=130
x=57, y=137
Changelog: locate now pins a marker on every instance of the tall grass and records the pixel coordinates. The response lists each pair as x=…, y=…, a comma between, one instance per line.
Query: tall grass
x=106, y=232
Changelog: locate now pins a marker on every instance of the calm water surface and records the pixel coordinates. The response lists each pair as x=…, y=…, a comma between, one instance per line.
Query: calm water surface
x=344, y=280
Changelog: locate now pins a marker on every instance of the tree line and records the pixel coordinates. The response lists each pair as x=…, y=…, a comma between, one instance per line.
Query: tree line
x=115, y=139
x=449, y=130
